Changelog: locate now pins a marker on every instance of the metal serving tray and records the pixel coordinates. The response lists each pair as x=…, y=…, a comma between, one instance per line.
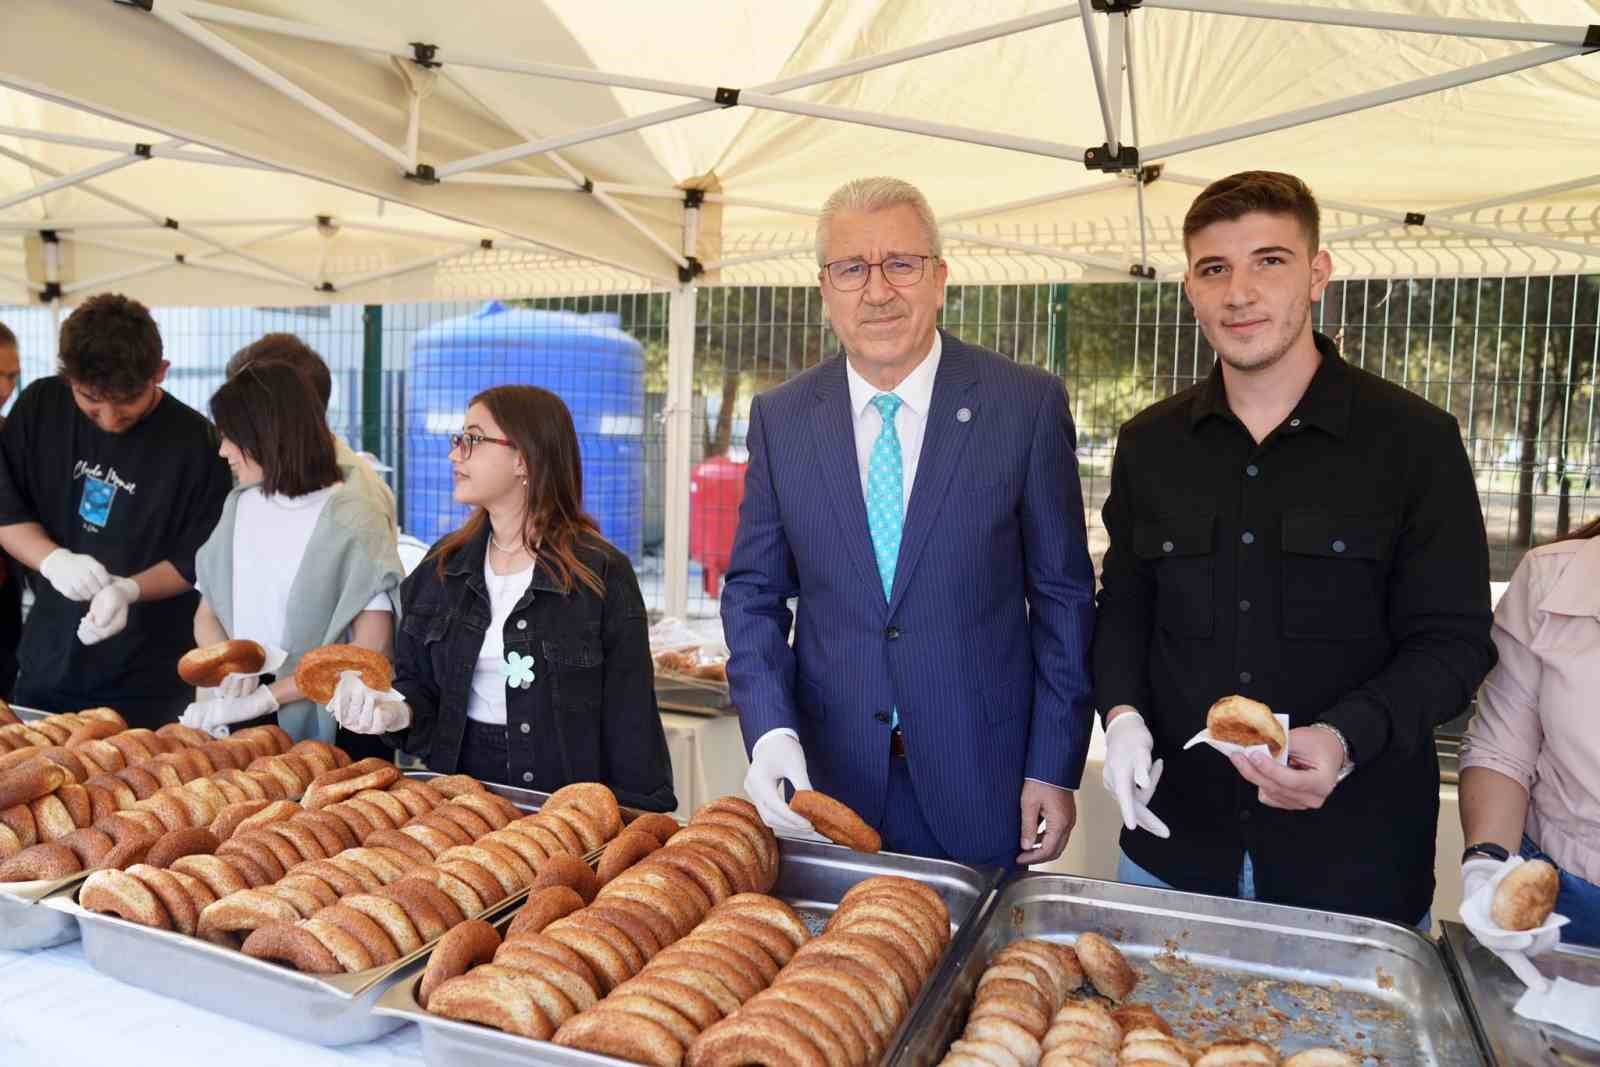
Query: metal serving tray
x=1491, y=992
x=813, y=877
x=23, y=925
x=1291, y=977
x=321, y=1009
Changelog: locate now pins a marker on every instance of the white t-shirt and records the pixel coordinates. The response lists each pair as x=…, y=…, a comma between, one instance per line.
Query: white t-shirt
x=270, y=536
x=487, y=702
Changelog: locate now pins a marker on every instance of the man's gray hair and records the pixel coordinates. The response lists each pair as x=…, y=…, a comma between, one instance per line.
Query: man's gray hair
x=877, y=194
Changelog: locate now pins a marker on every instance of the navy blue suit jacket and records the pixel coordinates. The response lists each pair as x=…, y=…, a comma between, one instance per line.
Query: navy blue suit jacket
x=982, y=645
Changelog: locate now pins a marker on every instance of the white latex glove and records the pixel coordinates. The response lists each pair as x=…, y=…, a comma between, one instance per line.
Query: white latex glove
x=1476, y=873
x=75, y=576
x=215, y=716
x=778, y=755
x=238, y=685
x=364, y=710
x=108, y=611
x=1128, y=774
x=1514, y=947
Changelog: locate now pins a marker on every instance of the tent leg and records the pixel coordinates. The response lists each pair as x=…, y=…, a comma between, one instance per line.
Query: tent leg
x=680, y=388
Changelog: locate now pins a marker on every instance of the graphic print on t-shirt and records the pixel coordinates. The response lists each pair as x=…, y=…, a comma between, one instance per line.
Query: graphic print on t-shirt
x=100, y=488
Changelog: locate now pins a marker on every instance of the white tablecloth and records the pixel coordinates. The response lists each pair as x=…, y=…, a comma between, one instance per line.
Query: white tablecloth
x=57, y=1011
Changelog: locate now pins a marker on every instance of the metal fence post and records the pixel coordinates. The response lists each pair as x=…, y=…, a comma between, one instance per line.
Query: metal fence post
x=372, y=379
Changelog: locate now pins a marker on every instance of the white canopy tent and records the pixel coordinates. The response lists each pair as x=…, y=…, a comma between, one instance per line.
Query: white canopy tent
x=515, y=148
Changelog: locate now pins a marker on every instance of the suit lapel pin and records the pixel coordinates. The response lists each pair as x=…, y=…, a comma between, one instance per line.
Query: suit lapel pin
x=964, y=415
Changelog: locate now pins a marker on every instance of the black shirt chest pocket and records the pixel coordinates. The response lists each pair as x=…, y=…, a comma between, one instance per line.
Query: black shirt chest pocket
x=577, y=670
x=1180, y=551
x=1335, y=571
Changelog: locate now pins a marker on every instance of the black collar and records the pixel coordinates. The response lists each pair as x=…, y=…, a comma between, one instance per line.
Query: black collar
x=1325, y=403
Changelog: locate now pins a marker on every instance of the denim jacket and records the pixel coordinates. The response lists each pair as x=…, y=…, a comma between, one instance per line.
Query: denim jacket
x=590, y=714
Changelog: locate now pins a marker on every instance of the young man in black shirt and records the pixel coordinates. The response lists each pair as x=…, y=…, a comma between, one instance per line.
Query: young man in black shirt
x=108, y=486
x=1308, y=535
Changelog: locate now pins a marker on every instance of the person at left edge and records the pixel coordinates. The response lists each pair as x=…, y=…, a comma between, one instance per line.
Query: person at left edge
x=108, y=486
x=523, y=654
x=10, y=572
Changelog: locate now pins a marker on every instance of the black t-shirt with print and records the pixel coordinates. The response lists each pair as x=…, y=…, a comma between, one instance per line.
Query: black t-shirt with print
x=130, y=500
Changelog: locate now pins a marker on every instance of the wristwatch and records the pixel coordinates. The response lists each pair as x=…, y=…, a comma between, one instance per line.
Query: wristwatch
x=1486, y=848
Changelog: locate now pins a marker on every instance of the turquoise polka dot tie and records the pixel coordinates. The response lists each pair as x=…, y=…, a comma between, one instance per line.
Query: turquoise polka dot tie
x=886, y=500
x=885, y=492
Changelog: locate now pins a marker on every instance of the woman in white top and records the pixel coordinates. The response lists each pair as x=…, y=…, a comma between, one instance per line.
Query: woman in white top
x=523, y=652
x=301, y=557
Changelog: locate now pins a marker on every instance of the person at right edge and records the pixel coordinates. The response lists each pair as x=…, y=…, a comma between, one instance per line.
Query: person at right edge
x=1303, y=533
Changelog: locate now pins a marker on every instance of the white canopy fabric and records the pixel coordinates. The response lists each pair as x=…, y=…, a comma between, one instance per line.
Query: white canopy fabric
x=1481, y=155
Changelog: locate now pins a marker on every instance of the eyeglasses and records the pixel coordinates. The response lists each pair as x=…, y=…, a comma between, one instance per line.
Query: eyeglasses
x=848, y=275
x=466, y=442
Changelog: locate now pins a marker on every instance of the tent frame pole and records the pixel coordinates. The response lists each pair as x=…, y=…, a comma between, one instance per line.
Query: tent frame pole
x=678, y=425
x=802, y=81
x=1081, y=258
x=1361, y=101
x=576, y=181
x=208, y=40
x=1102, y=92
x=1529, y=32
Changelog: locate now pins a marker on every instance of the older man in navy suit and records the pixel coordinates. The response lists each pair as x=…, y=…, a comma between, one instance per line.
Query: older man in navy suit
x=919, y=496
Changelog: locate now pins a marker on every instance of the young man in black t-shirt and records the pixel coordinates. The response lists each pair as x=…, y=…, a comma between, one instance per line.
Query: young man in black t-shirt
x=108, y=486
x=10, y=572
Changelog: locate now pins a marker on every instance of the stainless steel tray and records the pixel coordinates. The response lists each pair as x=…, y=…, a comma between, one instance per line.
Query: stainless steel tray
x=321, y=1009
x=1291, y=977
x=24, y=926
x=811, y=876
x=1491, y=992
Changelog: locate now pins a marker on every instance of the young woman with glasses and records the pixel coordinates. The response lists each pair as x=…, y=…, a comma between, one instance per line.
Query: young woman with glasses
x=523, y=653
x=303, y=555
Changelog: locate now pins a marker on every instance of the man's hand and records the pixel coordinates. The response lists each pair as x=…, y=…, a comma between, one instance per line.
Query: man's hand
x=1058, y=808
x=108, y=611
x=74, y=575
x=776, y=756
x=1315, y=759
x=1128, y=774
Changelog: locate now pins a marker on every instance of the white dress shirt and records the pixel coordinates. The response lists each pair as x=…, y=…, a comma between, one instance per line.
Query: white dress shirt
x=910, y=422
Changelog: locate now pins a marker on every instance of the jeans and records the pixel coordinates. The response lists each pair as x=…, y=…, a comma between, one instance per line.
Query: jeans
x=1133, y=874
x=485, y=753
x=1578, y=900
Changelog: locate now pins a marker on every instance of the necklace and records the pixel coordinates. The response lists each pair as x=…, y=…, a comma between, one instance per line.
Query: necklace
x=503, y=548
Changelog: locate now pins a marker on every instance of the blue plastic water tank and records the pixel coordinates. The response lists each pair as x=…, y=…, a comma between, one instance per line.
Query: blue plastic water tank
x=587, y=360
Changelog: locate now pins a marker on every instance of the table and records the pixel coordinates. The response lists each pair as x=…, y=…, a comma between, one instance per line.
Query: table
x=708, y=758
x=55, y=1009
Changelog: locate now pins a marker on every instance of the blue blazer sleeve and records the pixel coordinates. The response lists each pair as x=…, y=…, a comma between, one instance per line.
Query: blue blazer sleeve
x=1060, y=588
x=755, y=613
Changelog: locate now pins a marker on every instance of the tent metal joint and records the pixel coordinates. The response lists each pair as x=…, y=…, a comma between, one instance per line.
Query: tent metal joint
x=50, y=293
x=49, y=237
x=726, y=97
x=180, y=259
x=326, y=287
x=142, y=5
x=693, y=198
x=1591, y=39
x=1150, y=174
x=1142, y=270
x=1416, y=218
x=169, y=223
x=1102, y=158
x=691, y=270
x=1116, y=7
x=423, y=175
x=486, y=243
x=422, y=54
x=142, y=150
x=588, y=185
